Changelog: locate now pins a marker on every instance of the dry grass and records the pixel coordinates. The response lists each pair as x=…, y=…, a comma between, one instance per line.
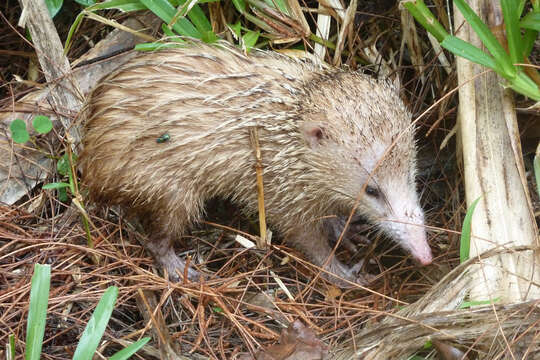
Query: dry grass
x=240, y=310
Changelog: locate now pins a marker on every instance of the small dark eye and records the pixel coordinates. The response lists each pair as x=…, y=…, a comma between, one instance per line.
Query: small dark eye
x=372, y=191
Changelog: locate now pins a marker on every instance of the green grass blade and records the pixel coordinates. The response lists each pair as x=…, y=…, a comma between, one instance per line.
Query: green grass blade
x=468, y=51
x=469, y=304
x=423, y=15
x=155, y=46
x=123, y=5
x=96, y=326
x=130, y=350
x=513, y=32
x=198, y=18
x=37, y=314
x=528, y=41
x=521, y=6
x=531, y=21
x=281, y=5
x=171, y=37
x=524, y=85
x=10, y=351
x=209, y=37
x=165, y=11
x=72, y=29
x=465, y=240
x=488, y=39
x=240, y=5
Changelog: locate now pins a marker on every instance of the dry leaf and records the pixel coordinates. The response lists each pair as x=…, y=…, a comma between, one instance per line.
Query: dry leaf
x=297, y=342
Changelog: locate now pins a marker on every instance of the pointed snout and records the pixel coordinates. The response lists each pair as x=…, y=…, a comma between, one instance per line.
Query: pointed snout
x=410, y=233
x=406, y=225
x=415, y=240
x=421, y=251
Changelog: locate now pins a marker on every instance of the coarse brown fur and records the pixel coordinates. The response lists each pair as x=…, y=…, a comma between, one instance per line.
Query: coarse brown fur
x=322, y=133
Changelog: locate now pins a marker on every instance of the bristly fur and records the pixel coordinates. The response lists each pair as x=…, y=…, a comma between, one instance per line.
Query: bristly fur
x=206, y=99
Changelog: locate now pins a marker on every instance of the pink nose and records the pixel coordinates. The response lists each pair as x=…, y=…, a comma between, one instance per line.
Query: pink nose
x=422, y=253
x=426, y=260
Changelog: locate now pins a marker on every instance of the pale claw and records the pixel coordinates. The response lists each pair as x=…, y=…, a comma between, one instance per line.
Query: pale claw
x=340, y=273
x=169, y=261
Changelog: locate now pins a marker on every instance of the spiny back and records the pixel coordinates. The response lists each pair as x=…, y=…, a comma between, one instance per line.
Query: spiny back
x=206, y=99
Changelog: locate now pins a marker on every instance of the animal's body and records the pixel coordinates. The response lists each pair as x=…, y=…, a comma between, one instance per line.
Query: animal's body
x=171, y=129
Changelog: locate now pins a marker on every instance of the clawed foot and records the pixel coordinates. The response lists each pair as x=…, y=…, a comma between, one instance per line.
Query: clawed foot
x=176, y=269
x=344, y=277
x=172, y=264
x=334, y=228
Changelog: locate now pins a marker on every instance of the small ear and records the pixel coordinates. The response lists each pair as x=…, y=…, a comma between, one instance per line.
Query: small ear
x=314, y=133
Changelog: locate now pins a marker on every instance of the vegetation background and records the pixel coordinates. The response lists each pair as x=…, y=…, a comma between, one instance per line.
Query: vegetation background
x=258, y=293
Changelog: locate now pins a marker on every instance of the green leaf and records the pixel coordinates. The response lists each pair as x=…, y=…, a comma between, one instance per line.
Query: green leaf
x=523, y=84
x=85, y=3
x=62, y=194
x=470, y=52
x=18, y=131
x=165, y=11
x=250, y=39
x=63, y=167
x=423, y=15
x=281, y=5
x=240, y=5
x=521, y=5
x=488, y=39
x=198, y=18
x=513, y=32
x=209, y=37
x=55, y=185
x=236, y=28
x=96, y=326
x=428, y=345
x=72, y=29
x=465, y=240
x=122, y=5
x=217, y=309
x=528, y=41
x=42, y=124
x=54, y=6
x=130, y=350
x=37, y=313
x=531, y=21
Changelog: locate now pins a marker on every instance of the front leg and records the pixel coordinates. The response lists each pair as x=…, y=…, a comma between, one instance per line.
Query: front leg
x=313, y=242
x=162, y=231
